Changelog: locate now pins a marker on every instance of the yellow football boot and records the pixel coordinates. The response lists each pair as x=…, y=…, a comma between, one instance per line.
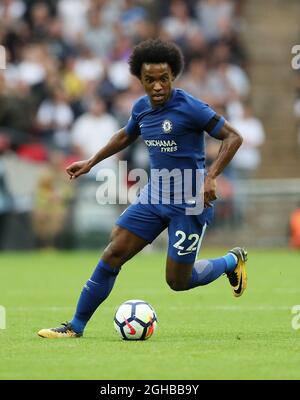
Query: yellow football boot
x=63, y=331
x=238, y=277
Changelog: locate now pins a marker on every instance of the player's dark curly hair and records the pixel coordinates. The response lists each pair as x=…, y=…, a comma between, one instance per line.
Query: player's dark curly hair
x=155, y=51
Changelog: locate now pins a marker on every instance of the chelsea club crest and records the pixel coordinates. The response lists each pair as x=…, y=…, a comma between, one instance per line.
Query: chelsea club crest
x=167, y=126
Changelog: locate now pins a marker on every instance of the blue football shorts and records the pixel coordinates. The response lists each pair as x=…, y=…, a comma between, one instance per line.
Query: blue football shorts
x=185, y=231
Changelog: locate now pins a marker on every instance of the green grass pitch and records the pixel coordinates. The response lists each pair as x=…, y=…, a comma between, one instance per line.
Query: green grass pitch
x=204, y=333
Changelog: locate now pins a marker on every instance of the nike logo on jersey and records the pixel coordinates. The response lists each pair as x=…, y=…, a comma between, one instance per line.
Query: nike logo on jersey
x=180, y=253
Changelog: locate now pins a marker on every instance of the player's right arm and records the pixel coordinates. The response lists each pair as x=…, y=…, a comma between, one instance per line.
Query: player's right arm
x=118, y=142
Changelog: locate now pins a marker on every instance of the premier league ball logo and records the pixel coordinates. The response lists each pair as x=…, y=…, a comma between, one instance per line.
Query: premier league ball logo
x=167, y=126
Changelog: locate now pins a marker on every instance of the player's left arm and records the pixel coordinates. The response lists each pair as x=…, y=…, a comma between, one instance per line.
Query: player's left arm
x=231, y=141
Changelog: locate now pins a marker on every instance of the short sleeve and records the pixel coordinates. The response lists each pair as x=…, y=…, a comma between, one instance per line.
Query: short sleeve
x=202, y=115
x=214, y=126
x=139, y=107
x=132, y=128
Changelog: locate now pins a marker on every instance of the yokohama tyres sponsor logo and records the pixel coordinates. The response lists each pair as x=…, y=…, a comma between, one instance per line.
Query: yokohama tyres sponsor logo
x=165, y=145
x=160, y=143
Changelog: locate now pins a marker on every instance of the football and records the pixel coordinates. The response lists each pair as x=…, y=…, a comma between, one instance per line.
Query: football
x=135, y=320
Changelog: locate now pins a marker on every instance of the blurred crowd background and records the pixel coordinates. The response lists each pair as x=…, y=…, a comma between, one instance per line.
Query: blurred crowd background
x=66, y=89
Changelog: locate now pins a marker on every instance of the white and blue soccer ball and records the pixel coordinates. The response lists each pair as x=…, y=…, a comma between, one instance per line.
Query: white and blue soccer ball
x=135, y=320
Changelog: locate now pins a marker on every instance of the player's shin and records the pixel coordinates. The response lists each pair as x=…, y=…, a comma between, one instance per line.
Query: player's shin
x=207, y=271
x=94, y=292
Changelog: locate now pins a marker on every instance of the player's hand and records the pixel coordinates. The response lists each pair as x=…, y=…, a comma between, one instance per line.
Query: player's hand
x=210, y=187
x=78, y=168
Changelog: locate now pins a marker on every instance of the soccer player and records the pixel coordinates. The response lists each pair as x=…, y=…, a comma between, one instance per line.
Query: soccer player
x=172, y=124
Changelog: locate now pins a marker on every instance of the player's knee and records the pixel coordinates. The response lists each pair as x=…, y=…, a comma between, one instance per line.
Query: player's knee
x=177, y=286
x=115, y=253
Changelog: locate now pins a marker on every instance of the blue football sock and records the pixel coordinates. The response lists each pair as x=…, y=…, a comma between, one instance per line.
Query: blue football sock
x=207, y=271
x=94, y=292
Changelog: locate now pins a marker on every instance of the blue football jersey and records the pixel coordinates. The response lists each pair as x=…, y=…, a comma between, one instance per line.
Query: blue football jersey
x=174, y=136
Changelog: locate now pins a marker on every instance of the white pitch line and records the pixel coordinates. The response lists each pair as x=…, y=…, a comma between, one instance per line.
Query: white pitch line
x=287, y=290
x=237, y=308
x=196, y=307
x=54, y=309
